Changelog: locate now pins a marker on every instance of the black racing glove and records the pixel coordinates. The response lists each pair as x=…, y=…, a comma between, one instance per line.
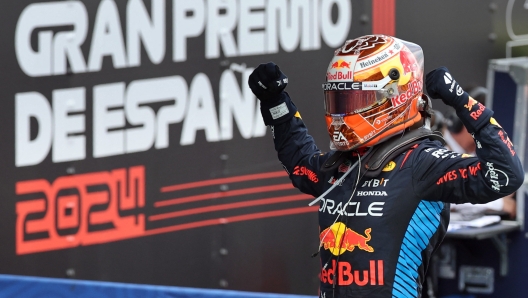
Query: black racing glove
x=440, y=84
x=267, y=82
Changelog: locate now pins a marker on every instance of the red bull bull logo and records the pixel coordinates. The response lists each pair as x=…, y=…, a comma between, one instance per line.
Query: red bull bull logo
x=340, y=64
x=338, y=238
x=344, y=64
x=339, y=71
x=471, y=102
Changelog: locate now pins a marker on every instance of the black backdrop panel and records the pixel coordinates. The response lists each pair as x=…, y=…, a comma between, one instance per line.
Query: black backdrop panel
x=133, y=151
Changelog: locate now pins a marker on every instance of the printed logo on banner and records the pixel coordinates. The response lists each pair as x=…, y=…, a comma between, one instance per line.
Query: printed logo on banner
x=116, y=116
x=56, y=50
x=80, y=209
x=107, y=206
x=62, y=131
x=57, y=38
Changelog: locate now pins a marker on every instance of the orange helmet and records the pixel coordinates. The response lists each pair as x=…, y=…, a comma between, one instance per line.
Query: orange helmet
x=373, y=90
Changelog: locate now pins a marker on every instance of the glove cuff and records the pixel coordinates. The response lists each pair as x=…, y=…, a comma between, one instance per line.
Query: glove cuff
x=473, y=114
x=278, y=111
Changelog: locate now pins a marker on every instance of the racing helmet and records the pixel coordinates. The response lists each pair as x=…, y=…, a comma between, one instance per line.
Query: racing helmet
x=372, y=91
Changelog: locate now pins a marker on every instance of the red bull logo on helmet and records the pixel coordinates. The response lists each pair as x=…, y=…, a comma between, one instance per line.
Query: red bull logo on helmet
x=338, y=238
x=414, y=88
x=341, y=69
x=341, y=64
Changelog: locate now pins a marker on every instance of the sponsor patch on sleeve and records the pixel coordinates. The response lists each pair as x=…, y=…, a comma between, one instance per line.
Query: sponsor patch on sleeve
x=279, y=111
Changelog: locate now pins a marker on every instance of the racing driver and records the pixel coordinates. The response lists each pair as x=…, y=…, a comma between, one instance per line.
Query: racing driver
x=384, y=188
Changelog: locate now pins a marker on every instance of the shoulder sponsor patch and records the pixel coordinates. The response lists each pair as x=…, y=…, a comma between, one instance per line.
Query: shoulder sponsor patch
x=389, y=167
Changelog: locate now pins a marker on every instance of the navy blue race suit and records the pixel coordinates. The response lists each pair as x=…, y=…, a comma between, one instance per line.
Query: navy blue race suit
x=379, y=228
x=378, y=242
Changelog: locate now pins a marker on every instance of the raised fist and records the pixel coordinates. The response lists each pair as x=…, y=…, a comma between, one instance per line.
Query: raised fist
x=267, y=82
x=440, y=84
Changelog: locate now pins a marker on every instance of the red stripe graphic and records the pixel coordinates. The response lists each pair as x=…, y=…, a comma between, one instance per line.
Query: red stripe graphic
x=384, y=17
x=229, y=206
x=223, y=181
x=244, y=201
x=232, y=219
x=223, y=194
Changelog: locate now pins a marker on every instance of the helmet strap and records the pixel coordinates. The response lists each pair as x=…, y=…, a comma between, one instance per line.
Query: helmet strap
x=426, y=109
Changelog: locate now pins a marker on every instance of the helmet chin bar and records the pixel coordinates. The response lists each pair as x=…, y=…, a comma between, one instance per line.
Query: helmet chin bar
x=338, y=122
x=338, y=138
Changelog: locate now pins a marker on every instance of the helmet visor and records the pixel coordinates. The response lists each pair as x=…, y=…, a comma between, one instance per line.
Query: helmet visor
x=345, y=98
x=350, y=102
